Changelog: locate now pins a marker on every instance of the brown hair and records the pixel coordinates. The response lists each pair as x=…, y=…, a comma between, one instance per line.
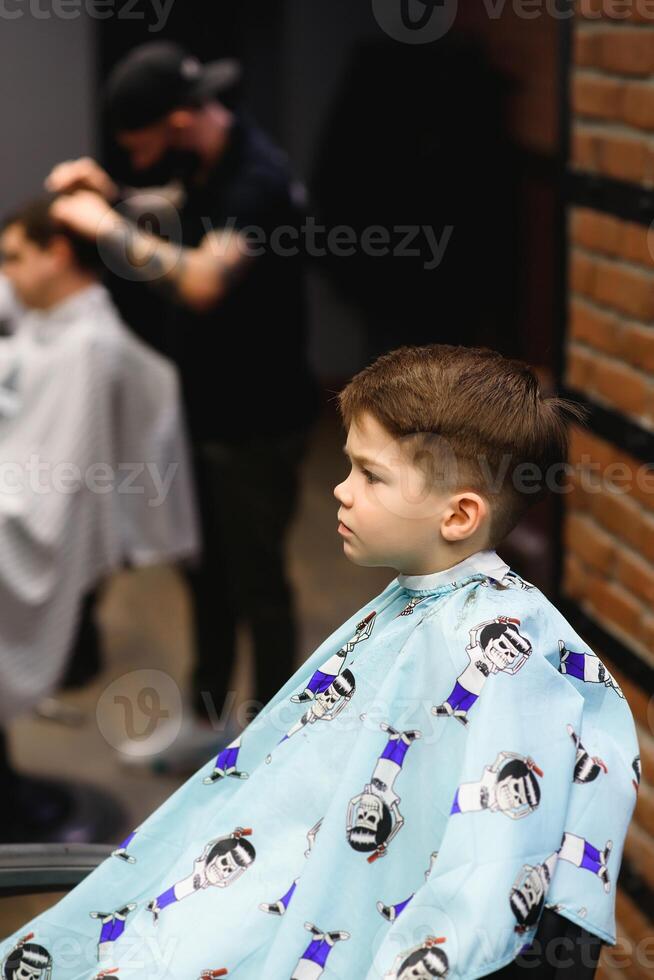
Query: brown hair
x=39, y=227
x=488, y=410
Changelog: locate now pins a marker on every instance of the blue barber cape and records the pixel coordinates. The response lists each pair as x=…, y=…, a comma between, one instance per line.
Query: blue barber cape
x=447, y=763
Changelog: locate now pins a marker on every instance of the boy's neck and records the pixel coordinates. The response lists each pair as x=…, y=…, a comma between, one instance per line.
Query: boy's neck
x=443, y=560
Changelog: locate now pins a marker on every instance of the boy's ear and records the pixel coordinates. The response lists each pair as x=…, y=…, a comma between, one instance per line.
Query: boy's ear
x=61, y=248
x=464, y=514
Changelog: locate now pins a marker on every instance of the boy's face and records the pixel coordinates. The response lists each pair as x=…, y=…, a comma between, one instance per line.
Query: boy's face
x=389, y=515
x=30, y=269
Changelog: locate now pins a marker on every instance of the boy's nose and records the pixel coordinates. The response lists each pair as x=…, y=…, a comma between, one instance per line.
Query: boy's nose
x=342, y=494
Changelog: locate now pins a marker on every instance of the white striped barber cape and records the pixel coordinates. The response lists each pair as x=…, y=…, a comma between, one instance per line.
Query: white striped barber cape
x=94, y=473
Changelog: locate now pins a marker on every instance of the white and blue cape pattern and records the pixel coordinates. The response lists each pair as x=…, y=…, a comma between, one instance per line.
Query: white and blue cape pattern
x=449, y=762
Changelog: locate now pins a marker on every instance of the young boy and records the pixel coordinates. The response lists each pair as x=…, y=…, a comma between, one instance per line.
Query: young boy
x=424, y=785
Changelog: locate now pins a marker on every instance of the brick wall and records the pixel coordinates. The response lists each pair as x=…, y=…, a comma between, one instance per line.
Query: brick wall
x=609, y=515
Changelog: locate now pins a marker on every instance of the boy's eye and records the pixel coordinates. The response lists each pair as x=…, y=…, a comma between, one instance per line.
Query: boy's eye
x=370, y=477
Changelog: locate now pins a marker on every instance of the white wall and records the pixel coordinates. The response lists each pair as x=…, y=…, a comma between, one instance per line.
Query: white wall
x=47, y=96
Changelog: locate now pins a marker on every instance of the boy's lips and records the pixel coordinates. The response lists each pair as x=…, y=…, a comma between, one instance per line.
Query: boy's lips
x=343, y=528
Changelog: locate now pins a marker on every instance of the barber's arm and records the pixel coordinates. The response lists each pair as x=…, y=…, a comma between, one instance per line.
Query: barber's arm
x=199, y=278
x=85, y=174
x=82, y=174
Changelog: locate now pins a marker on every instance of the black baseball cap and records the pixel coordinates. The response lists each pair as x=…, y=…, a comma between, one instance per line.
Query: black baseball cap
x=158, y=77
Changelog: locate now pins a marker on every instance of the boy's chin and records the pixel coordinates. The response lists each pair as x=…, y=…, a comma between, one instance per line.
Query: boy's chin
x=360, y=557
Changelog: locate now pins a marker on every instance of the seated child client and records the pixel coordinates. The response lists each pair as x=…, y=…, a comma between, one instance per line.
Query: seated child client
x=453, y=763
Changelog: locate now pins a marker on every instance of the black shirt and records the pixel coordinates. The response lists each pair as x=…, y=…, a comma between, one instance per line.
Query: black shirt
x=244, y=364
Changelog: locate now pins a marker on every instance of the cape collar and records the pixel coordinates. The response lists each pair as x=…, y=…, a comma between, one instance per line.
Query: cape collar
x=68, y=308
x=485, y=562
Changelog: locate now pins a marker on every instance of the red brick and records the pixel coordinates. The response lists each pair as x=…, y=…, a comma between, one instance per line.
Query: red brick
x=628, y=11
x=585, y=150
x=622, y=386
x=639, y=848
x=580, y=369
x=598, y=232
x=647, y=754
x=610, y=236
x=574, y=578
x=622, y=516
x=626, y=51
x=623, y=961
x=621, y=287
x=647, y=633
x=595, y=327
x=597, y=97
x=637, y=244
x=615, y=605
x=584, y=443
x=637, y=346
x=578, y=498
x=636, y=105
x=644, y=812
x=589, y=543
x=638, y=702
x=643, y=489
x=636, y=575
x=642, y=12
x=623, y=157
x=588, y=8
x=585, y=48
x=582, y=273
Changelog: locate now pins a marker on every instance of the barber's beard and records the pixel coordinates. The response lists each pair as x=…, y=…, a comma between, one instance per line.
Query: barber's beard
x=179, y=165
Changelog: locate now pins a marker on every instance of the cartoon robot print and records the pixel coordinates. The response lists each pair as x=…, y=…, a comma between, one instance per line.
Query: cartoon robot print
x=373, y=817
x=113, y=927
x=122, y=851
x=393, y=912
x=509, y=786
x=27, y=961
x=313, y=961
x=422, y=962
x=325, y=676
x=583, y=854
x=411, y=605
x=586, y=667
x=226, y=764
x=328, y=704
x=221, y=863
x=496, y=645
x=530, y=888
x=281, y=905
x=510, y=578
x=587, y=768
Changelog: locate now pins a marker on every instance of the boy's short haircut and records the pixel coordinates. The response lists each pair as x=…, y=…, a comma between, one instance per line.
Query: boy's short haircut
x=472, y=419
x=40, y=228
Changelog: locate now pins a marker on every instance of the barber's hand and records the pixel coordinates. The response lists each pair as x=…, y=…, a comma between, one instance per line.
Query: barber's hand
x=82, y=174
x=86, y=213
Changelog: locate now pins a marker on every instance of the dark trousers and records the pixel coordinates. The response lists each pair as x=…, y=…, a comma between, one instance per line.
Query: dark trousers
x=247, y=496
x=85, y=660
x=562, y=951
